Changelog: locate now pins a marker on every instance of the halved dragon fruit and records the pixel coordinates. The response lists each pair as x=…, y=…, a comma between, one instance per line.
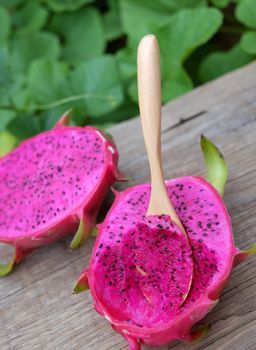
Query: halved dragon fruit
x=53, y=184
x=140, y=266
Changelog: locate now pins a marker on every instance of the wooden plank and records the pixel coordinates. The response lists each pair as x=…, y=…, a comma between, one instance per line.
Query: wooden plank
x=37, y=308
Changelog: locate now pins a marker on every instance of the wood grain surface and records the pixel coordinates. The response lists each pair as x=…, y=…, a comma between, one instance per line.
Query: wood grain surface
x=37, y=308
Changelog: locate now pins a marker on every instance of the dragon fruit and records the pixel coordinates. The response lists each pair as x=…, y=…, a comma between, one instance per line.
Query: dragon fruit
x=52, y=185
x=140, y=266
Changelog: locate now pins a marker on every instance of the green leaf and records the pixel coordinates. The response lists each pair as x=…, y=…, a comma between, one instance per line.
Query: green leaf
x=50, y=117
x=5, y=77
x=25, y=126
x=220, y=3
x=246, y=13
x=25, y=48
x=177, y=84
x=195, y=59
x=19, y=96
x=5, y=25
x=66, y=5
x=30, y=17
x=185, y=31
x=219, y=63
x=7, y=142
x=217, y=171
x=11, y=4
x=97, y=82
x=248, y=42
x=127, y=110
x=94, y=88
x=112, y=21
x=23, y=101
x=5, y=117
x=127, y=61
x=174, y=5
x=83, y=34
x=47, y=81
x=138, y=15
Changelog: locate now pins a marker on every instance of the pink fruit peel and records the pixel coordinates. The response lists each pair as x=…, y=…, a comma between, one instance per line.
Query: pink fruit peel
x=124, y=244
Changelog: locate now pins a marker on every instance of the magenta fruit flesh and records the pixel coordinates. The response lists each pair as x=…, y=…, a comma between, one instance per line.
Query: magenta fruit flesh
x=52, y=182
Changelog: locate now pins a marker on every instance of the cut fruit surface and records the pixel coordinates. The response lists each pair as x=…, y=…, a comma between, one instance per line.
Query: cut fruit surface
x=135, y=262
x=53, y=183
x=147, y=272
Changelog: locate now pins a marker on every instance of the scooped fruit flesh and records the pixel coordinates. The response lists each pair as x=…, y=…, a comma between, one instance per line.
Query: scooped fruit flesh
x=146, y=270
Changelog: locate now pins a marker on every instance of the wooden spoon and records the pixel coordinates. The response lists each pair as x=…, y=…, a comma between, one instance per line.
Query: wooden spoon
x=149, y=87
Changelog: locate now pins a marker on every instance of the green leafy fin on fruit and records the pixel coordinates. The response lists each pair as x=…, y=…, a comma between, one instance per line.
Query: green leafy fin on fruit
x=8, y=254
x=217, y=171
x=84, y=230
x=17, y=256
x=94, y=232
x=82, y=283
x=242, y=255
x=7, y=268
x=78, y=239
x=64, y=119
x=199, y=333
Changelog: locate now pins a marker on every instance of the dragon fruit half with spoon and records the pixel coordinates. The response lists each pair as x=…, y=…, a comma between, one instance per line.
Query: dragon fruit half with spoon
x=158, y=267
x=52, y=185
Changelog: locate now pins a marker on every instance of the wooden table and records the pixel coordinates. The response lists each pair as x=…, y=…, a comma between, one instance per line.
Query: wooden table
x=37, y=308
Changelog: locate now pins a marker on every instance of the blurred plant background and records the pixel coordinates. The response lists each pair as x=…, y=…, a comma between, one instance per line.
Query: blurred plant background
x=81, y=54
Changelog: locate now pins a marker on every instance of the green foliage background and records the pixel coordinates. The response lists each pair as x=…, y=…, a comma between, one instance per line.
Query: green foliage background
x=81, y=54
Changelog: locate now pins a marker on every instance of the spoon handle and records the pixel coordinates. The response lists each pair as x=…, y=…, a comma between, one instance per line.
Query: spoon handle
x=149, y=88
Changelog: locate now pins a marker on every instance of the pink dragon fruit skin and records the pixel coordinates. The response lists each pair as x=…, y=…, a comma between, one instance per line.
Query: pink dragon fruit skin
x=207, y=223
x=53, y=183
